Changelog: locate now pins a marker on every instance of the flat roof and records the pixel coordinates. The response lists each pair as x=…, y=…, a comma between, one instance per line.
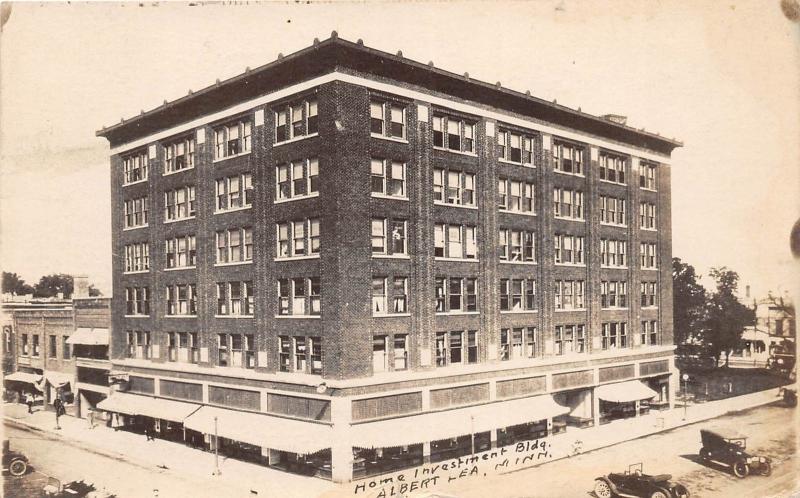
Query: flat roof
x=325, y=56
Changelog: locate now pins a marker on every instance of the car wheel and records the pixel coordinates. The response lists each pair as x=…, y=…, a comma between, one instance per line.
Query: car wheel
x=766, y=469
x=602, y=489
x=705, y=454
x=740, y=469
x=18, y=467
x=659, y=493
x=680, y=491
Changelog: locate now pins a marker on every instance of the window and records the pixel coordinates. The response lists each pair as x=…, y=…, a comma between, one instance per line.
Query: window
x=400, y=351
x=379, y=299
x=456, y=294
x=25, y=349
x=297, y=179
x=179, y=204
x=453, y=134
x=135, y=212
x=455, y=241
x=516, y=246
x=518, y=342
x=137, y=301
x=135, y=168
x=52, y=350
x=181, y=300
x=389, y=237
x=235, y=245
x=612, y=168
x=388, y=177
x=298, y=119
x=234, y=192
x=316, y=354
x=233, y=139
x=66, y=351
x=612, y=211
x=569, y=294
x=647, y=254
x=517, y=294
x=570, y=339
x=235, y=298
x=613, y=294
x=567, y=203
x=568, y=159
x=179, y=155
x=137, y=257
x=387, y=119
x=298, y=238
x=647, y=216
x=389, y=300
x=139, y=344
x=613, y=253
x=183, y=347
x=649, y=333
x=453, y=187
x=614, y=335
x=456, y=347
x=647, y=176
x=515, y=148
x=516, y=196
x=649, y=291
x=285, y=354
x=180, y=252
x=568, y=249
x=300, y=296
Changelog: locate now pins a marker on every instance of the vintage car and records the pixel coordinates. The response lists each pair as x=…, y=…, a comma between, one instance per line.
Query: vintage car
x=730, y=451
x=14, y=463
x=634, y=483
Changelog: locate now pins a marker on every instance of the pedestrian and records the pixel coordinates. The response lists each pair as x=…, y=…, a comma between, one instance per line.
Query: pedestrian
x=91, y=418
x=29, y=402
x=59, y=406
x=148, y=431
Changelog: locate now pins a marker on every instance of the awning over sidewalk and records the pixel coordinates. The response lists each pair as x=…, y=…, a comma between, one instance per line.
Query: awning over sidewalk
x=452, y=423
x=25, y=377
x=624, y=392
x=263, y=430
x=160, y=408
x=89, y=337
x=58, y=379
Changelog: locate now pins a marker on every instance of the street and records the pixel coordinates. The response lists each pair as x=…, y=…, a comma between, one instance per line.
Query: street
x=770, y=429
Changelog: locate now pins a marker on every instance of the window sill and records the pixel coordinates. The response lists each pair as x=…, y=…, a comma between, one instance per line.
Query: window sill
x=447, y=204
x=457, y=313
x=136, y=316
x=295, y=139
x=651, y=308
x=391, y=256
x=296, y=198
x=137, y=182
x=299, y=317
x=461, y=153
x=648, y=189
x=529, y=263
x=612, y=182
x=521, y=213
x=177, y=268
x=654, y=230
x=384, y=196
x=578, y=220
x=220, y=159
x=250, y=317
x=232, y=210
x=568, y=174
x=649, y=269
x=607, y=267
x=571, y=265
x=460, y=260
x=180, y=316
x=518, y=312
x=570, y=310
x=234, y=263
x=128, y=229
x=391, y=315
x=605, y=224
x=296, y=258
x=176, y=220
x=512, y=163
x=169, y=173
x=137, y=272
x=390, y=139
x=615, y=309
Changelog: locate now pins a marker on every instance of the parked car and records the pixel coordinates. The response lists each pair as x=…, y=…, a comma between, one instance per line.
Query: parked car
x=634, y=483
x=14, y=462
x=731, y=452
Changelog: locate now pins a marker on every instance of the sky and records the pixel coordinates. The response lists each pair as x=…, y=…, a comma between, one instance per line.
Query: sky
x=723, y=77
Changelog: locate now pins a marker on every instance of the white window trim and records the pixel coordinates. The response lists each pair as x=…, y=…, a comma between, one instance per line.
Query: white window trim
x=232, y=210
x=461, y=260
x=649, y=229
x=391, y=256
x=231, y=157
x=607, y=224
x=460, y=206
x=457, y=313
x=460, y=152
x=390, y=315
x=296, y=198
x=136, y=316
x=506, y=262
x=176, y=220
x=297, y=258
x=512, y=163
x=612, y=183
x=180, y=316
x=169, y=173
x=237, y=317
x=295, y=139
x=611, y=267
x=176, y=268
x=391, y=139
x=394, y=197
x=136, y=227
x=291, y=317
x=574, y=265
x=571, y=310
x=518, y=312
x=648, y=189
x=529, y=213
x=136, y=182
x=579, y=175
x=135, y=272
x=234, y=263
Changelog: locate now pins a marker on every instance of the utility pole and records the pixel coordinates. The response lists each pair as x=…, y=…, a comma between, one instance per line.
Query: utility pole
x=216, y=450
x=685, y=393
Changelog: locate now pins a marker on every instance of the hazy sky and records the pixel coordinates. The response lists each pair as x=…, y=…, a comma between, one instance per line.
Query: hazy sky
x=724, y=77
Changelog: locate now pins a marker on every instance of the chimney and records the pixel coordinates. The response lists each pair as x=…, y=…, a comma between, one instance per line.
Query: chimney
x=615, y=118
x=80, y=286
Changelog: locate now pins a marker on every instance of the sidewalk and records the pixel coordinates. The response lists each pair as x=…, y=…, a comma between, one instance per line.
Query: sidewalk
x=178, y=459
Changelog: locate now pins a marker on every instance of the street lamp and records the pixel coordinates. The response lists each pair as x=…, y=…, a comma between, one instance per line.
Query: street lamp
x=216, y=450
x=685, y=378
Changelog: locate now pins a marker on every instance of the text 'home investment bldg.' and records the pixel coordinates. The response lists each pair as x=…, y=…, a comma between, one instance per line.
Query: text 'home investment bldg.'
x=352, y=262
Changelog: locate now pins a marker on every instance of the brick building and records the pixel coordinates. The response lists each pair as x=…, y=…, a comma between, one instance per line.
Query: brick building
x=346, y=262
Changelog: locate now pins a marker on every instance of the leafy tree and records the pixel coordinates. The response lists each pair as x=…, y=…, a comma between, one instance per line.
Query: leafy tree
x=13, y=284
x=51, y=285
x=689, y=302
x=726, y=316
x=94, y=291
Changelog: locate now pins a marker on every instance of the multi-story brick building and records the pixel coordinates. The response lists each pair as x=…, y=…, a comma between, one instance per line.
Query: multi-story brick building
x=327, y=257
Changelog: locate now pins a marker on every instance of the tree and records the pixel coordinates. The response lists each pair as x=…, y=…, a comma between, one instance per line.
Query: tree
x=726, y=316
x=94, y=291
x=13, y=284
x=689, y=302
x=51, y=285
